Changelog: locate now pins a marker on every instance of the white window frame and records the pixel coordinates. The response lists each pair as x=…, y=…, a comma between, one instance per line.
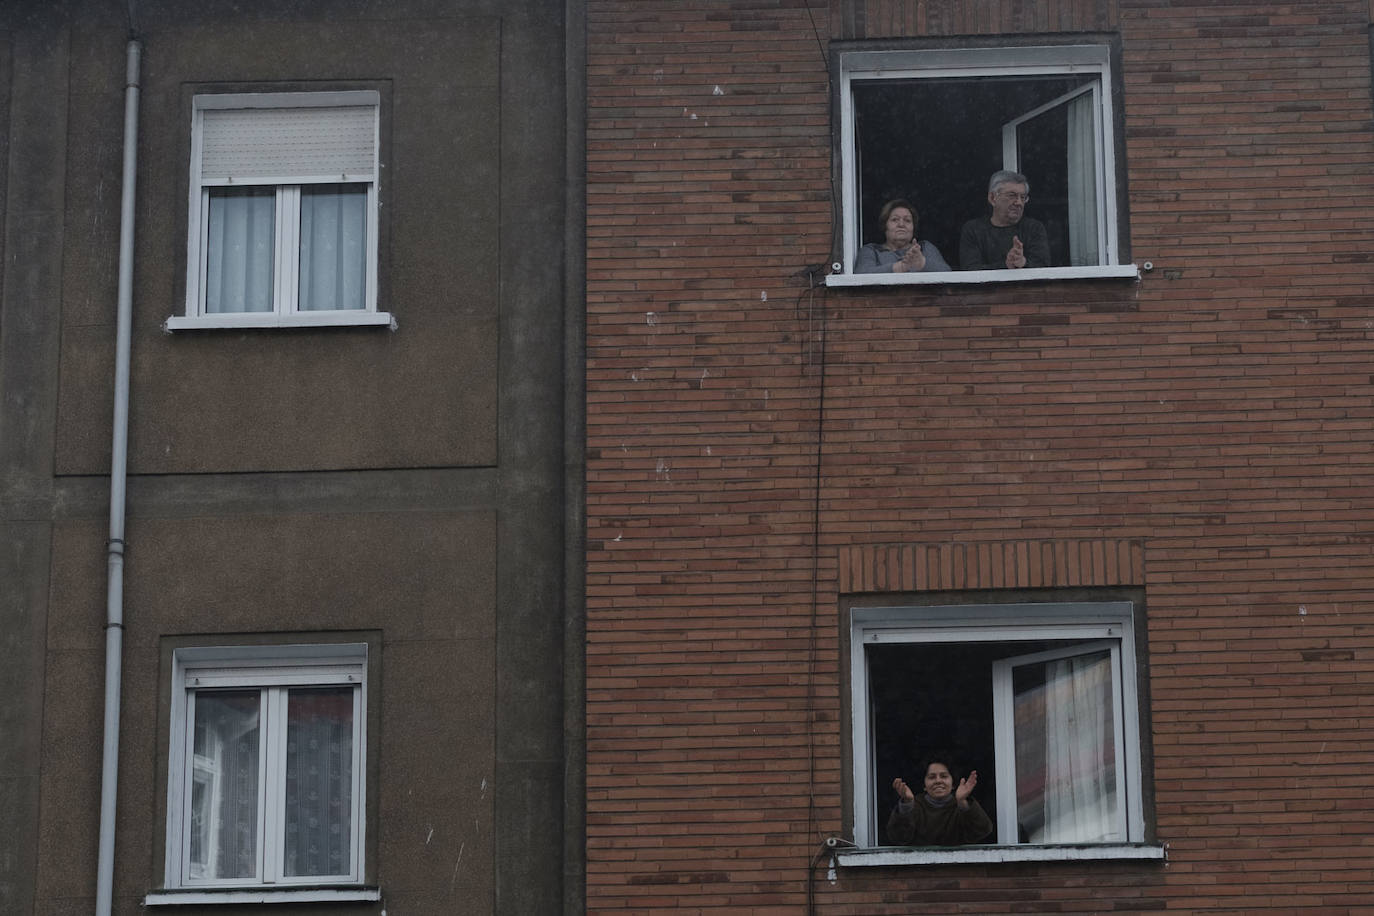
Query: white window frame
x=856, y=67
x=273, y=669
x=1109, y=622
x=1004, y=715
x=288, y=194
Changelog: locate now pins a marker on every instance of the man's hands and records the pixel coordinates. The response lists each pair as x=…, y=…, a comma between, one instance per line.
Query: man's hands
x=914, y=261
x=1016, y=256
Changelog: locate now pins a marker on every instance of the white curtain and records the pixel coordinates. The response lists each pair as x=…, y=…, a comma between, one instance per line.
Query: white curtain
x=319, y=781
x=239, y=250
x=1082, y=150
x=1081, y=802
x=333, y=244
x=224, y=784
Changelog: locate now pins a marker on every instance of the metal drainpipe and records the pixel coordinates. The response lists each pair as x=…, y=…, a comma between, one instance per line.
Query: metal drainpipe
x=114, y=620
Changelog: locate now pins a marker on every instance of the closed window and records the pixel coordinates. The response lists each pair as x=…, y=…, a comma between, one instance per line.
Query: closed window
x=933, y=126
x=282, y=227
x=266, y=767
x=1040, y=699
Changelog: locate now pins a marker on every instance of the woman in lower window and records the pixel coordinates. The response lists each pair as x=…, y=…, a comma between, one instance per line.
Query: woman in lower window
x=900, y=252
x=944, y=815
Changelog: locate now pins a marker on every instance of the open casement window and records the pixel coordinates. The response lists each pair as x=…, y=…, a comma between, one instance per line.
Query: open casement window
x=266, y=768
x=1059, y=722
x=282, y=226
x=1065, y=135
x=931, y=126
x=1040, y=699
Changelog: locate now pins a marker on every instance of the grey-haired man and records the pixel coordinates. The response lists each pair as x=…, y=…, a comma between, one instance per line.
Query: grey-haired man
x=1006, y=238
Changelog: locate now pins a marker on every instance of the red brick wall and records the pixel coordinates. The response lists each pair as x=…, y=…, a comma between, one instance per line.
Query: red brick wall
x=1213, y=422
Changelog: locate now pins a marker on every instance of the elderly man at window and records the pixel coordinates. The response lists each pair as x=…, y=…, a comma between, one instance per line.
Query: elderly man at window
x=1007, y=238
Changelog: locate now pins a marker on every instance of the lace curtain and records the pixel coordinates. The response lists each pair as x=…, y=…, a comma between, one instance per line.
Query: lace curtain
x=1066, y=751
x=314, y=783
x=1082, y=151
x=1066, y=754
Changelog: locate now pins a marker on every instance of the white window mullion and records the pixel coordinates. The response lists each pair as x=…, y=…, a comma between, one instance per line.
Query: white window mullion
x=1106, y=157
x=370, y=251
x=373, y=209
x=866, y=812
x=1004, y=752
x=852, y=228
x=272, y=787
x=188, y=756
x=1106, y=232
x=200, y=259
x=196, y=224
x=288, y=248
x=359, y=815
x=1125, y=746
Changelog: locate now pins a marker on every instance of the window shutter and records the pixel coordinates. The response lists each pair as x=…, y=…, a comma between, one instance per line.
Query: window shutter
x=288, y=145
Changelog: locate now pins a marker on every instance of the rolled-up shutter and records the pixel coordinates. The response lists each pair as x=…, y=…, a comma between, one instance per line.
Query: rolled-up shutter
x=288, y=145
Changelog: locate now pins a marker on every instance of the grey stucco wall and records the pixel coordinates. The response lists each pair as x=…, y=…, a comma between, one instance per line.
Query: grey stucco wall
x=410, y=485
x=33, y=76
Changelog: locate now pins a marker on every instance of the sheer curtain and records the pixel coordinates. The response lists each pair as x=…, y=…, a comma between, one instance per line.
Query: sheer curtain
x=224, y=784
x=1082, y=153
x=241, y=248
x=1081, y=803
x=239, y=251
x=319, y=781
x=333, y=247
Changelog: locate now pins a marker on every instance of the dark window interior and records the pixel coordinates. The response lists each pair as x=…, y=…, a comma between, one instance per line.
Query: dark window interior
x=928, y=697
x=936, y=142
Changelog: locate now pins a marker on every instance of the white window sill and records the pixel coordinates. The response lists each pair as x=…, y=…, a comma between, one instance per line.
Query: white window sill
x=357, y=318
x=275, y=895
x=959, y=277
x=979, y=855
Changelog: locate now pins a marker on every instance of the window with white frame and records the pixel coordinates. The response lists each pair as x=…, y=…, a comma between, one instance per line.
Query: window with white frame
x=931, y=126
x=1039, y=698
x=266, y=768
x=282, y=226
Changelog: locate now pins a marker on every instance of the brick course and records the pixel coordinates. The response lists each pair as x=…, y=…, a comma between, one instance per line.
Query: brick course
x=1212, y=423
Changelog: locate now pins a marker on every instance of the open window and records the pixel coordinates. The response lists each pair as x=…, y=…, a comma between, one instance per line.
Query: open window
x=1060, y=719
x=932, y=126
x=1040, y=699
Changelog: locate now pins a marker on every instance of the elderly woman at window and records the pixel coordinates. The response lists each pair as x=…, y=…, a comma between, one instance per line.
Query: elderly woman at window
x=899, y=252
x=944, y=815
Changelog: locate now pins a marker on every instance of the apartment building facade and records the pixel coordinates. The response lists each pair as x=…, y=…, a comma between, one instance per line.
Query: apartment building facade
x=1095, y=526
x=330, y=607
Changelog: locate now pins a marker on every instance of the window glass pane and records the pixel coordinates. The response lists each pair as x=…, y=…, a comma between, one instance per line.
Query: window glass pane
x=1066, y=749
x=239, y=250
x=224, y=784
x=333, y=272
x=319, y=781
